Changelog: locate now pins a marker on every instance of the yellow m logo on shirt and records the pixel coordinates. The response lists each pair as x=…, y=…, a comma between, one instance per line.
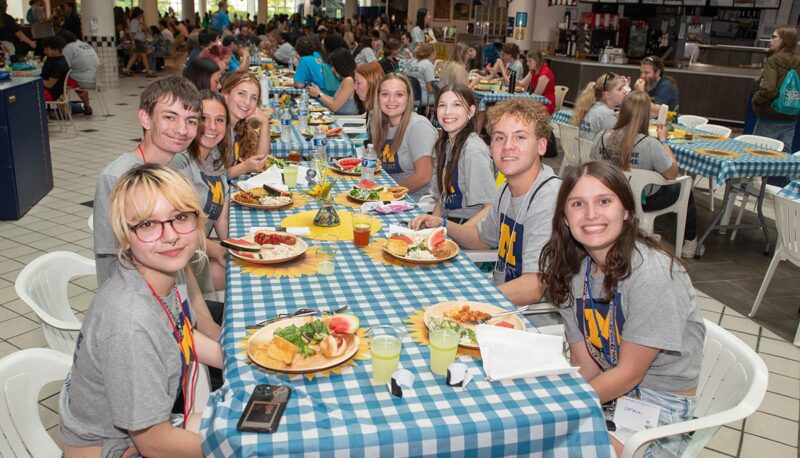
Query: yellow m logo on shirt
x=505, y=249
x=594, y=334
x=217, y=192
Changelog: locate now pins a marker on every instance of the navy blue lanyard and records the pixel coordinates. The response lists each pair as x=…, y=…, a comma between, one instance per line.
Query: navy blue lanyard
x=588, y=289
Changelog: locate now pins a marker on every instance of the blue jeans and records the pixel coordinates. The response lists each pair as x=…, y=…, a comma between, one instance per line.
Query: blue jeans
x=779, y=130
x=674, y=409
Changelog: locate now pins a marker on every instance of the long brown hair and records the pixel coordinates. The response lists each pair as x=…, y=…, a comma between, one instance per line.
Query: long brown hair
x=379, y=125
x=788, y=35
x=444, y=176
x=592, y=94
x=373, y=73
x=224, y=146
x=634, y=119
x=562, y=255
x=248, y=134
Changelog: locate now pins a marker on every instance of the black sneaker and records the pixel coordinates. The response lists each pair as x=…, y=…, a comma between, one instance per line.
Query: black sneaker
x=87, y=111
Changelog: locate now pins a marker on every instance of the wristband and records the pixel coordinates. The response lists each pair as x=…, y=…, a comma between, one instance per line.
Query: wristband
x=663, y=142
x=444, y=222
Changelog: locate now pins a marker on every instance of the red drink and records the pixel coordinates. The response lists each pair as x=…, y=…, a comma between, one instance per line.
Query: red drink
x=361, y=235
x=294, y=156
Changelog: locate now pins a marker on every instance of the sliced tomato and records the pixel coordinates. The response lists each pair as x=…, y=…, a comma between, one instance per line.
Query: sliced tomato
x=505, y=324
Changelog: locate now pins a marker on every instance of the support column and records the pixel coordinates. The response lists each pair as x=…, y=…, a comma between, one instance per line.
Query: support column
x=251, y=8
x=150, y=8
x=187, y=10
x=97, y=23
x=203, y=8
x=350, y=8
x=523, y=13
x=262, y=12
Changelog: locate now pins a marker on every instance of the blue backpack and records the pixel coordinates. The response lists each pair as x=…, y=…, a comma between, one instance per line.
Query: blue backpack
x=788, y=101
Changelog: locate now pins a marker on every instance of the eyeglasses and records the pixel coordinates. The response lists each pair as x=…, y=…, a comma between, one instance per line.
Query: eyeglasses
x=605, y=80
x=149, y=231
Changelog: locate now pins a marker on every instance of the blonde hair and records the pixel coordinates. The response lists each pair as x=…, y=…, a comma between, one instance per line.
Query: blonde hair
x=151, y=180
x=592, y=94
x=424, y=51
x=453, y=73
x=525, y=110
x=634, y=119
x=379, y=125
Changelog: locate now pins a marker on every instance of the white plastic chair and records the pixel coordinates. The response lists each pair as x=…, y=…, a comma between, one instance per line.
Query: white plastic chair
x=714, y=129
x=787, y=220
x=569, y=143
x=23, y=374
x=746, y=185
x=63, y=109
x=90, y=222
x=561, y=92
x=691, y=120
x=99, y=89
x=585, y=150
x=639, y=179
x=733, y=381
x=357, y=120
x=42, y=285
x=426, y=203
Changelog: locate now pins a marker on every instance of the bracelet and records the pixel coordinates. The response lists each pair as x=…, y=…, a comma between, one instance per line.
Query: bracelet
x=663, y=142
x=444, y=222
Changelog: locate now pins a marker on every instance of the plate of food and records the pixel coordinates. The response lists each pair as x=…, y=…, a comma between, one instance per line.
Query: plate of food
x=464, y=315
x=717, y=152
x=431, y=247
x=274, y=132
x=317, y=109
x=369, y=191
x=321, y=119
x=266, y=247
x=763, y=152
x=264, y=198
x=305, y=344
x=350, y=166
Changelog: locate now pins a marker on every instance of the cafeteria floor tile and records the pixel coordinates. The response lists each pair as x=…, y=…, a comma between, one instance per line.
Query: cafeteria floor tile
x=727, y=277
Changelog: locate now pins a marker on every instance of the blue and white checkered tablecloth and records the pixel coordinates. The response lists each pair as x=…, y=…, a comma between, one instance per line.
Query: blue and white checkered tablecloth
x=791, y=190
x=340, y=146
x=562, y=116
x=487, y=98
x=346, y=414
x=256, y=60
x=746, y=165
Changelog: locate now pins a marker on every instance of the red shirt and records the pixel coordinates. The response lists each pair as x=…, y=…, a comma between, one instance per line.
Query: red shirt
x=549, y=90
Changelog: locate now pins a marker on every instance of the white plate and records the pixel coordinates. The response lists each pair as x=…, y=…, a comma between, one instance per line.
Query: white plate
x=260, y=206
x=300, y=244
x=426, y=261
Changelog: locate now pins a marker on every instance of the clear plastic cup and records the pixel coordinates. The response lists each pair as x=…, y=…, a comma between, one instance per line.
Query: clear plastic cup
x=385, y=343
x=443, y=346
x=327, y=246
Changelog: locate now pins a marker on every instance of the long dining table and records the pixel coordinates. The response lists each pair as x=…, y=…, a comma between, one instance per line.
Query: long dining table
x=345, y=414
x=733, y=164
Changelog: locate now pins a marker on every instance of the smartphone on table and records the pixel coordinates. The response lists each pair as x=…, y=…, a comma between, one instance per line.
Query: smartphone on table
x=264, y=409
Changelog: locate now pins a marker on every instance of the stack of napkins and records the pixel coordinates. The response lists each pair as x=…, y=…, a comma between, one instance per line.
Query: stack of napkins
x=510, y=353
x=273, y=177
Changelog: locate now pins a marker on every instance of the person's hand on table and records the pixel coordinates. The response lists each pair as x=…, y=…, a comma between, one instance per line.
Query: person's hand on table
x=639, y=85
x=662, y=133
x=255, y=163
x=424, y=222
x=313, y=90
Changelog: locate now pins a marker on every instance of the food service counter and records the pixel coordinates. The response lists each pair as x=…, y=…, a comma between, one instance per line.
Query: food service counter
x=714, y=92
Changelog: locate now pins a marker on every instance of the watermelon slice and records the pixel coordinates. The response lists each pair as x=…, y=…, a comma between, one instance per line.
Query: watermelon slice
x=435, y=238
x=367, y=184
x=241, y=245
x=505, y=324
x=349, y=163
x=344, y=323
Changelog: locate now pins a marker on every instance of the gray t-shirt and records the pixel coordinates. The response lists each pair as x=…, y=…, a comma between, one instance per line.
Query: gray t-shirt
x=83, y=62
x=520, y=226
x=210, y=183
x=648, y=154
x=517, y=67
x=285, y=53
x=126, y=370
x=656, y=307
x=105, y=244
x=417, y=37
x=418, y=141
x=598, y=118
x=473, y=183
x=366, y=56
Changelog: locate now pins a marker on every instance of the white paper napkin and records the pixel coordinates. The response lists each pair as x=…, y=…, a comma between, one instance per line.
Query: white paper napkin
x=510, y=353
x=403, y=230
x=300, y=231
x=273, y=177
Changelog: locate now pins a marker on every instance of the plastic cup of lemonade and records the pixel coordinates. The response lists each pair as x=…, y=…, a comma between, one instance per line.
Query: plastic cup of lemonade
x=443, y=345
x=326, y=253
x=362, y=226
x=385, y=343
x=290, y=175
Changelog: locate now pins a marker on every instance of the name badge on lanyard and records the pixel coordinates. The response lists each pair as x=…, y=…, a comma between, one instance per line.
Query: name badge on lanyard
x=635, y=414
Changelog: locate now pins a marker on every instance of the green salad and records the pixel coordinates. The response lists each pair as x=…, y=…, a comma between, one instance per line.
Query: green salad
x=304, y=336
x=467, y=335
x=365, y=194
